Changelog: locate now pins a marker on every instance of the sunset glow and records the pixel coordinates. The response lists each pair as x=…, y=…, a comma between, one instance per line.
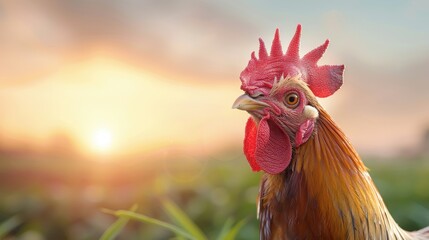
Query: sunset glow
x=102, y=140
x=156, y=83
x=111, y=107
x=108, y=104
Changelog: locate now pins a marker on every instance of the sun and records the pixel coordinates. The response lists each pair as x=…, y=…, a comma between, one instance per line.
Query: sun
x=102, y=140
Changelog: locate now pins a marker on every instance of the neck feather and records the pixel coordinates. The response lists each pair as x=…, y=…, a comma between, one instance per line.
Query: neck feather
x=327, y=180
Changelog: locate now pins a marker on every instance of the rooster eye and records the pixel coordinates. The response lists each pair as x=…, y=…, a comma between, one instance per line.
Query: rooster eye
x=292, y=100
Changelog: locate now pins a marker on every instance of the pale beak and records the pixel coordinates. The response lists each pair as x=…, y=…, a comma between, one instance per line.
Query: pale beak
x=245, y=102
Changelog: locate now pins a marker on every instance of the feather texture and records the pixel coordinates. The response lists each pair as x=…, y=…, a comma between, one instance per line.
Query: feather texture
x=315, y=186
x=326, y=193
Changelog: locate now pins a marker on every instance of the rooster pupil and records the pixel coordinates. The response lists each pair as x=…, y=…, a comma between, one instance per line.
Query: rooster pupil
x=292, y=100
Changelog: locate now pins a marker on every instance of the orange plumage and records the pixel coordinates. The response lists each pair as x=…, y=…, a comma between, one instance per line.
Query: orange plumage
x=315, y=185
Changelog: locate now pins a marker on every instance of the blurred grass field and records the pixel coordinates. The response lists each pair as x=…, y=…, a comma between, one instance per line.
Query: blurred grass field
x=63, y=198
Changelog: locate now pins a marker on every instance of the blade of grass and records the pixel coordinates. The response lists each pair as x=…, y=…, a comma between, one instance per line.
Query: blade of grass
x=225, y=228
x=234, y=230
x=183, y=220
x=9, y=225
x=113, y=231
x=146, y=219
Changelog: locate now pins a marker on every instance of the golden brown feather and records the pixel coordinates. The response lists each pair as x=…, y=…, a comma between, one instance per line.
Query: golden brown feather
x=326, y=193
x=315, y=185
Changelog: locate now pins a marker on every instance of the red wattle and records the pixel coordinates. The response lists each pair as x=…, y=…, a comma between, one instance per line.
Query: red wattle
x=250, y=144
x=266, y=146
x=304, y=132
x=273, y=148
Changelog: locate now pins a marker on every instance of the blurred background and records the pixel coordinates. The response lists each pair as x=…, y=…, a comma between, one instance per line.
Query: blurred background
x=107, y=103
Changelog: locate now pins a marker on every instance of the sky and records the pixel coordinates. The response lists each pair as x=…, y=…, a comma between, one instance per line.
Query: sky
x=127, y=76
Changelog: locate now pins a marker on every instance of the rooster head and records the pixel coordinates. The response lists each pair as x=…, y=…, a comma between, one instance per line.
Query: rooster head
x=280, y=95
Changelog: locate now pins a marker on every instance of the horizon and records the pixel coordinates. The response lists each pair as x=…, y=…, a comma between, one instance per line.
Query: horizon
x=75, y=73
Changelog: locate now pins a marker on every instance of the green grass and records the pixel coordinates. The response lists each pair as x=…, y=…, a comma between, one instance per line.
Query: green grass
x=404, y=186
x=8, y=225
x=185, y=228
x=62, y=200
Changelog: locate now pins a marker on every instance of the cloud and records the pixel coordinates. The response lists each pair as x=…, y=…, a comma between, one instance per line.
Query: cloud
x=191, y=39
x=382, y=103
x=384, y=107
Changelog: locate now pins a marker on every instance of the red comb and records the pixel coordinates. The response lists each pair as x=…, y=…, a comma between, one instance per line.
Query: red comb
x=260, y=73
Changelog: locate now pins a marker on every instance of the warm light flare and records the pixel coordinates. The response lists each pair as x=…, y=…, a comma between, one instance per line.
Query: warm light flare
x=102, y=140
x=112, y=108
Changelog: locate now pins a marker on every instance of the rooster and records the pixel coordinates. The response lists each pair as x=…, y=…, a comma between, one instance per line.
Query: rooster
x=315, y=185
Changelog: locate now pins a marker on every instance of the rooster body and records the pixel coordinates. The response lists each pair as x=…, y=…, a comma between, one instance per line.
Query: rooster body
x=315, y=185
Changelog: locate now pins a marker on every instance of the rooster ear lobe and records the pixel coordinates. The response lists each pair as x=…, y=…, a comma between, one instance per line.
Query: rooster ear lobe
x=250, y=144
